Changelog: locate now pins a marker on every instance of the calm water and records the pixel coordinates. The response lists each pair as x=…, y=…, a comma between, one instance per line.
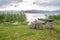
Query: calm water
x=34, y=16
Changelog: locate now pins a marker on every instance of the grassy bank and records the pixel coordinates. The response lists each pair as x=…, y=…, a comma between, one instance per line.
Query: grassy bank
x=23, y=32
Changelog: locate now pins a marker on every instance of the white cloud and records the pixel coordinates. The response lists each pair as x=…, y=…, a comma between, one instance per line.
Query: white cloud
x=28, y=5
x=43, y=1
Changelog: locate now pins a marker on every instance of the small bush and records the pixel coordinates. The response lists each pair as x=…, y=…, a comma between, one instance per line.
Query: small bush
x=55, y=17
x=1, y=17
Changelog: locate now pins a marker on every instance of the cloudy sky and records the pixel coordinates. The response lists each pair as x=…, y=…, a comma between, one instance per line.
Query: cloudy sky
x=29, y=4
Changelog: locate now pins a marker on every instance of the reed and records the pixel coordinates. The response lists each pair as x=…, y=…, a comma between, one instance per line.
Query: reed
x=10, y=17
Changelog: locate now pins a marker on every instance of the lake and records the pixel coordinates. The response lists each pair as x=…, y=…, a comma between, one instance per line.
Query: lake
x=34, y=16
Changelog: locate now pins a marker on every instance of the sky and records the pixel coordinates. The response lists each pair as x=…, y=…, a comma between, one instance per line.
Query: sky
x=30, y=5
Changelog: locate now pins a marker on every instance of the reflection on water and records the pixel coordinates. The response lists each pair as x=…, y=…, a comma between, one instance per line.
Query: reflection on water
x=32, y=17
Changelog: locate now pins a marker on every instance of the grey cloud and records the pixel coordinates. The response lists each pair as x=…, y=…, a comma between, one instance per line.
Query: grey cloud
x=51, y=3
x=5, y=2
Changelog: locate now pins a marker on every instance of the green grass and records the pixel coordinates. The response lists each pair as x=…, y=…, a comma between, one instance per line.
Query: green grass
x=23, y=32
